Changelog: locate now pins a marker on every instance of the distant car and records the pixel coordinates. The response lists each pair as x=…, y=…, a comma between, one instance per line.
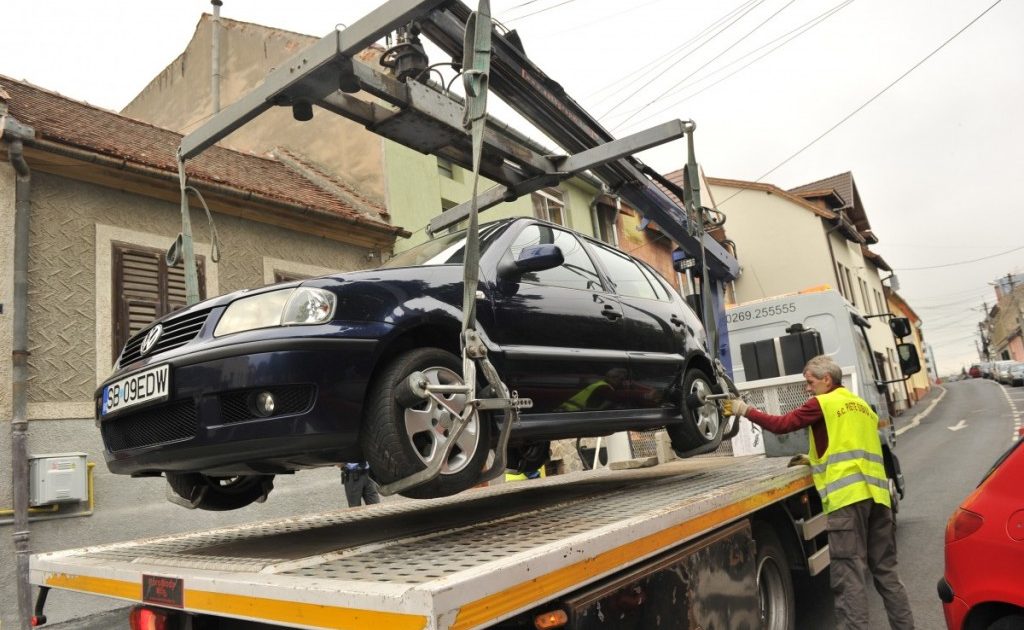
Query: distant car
x=1017, y=374
x=221, y=396
x=1001, y=371
x=983, y=583
x=974, y=371
x=986, y=369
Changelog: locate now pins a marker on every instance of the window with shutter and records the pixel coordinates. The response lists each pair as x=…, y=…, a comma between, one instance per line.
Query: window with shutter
x=145, y=288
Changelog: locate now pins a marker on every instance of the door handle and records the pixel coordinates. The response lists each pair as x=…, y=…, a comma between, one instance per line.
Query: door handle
x=675, y=320
x=610, y=312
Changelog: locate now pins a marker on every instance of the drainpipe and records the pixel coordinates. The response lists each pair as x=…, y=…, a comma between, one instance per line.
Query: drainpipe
x=831, y=252
x=19, y=360
x=215, y=70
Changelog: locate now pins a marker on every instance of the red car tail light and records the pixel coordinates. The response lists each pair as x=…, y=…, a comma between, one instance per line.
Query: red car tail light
x=962, y=525
x=142, y=618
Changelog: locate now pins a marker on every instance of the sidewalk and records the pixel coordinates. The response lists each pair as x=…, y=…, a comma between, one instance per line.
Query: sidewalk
x=921, y=408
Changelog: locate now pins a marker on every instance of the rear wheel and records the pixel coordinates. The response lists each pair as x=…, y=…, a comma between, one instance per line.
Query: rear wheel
x=402, y=435
x=774, y=581
x=219, y=494
x=701, y=429
x=1012, y=622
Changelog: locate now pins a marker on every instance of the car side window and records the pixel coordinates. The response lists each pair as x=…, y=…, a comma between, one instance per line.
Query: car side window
x=625, y=274
x=577, y=272
x=659, y=283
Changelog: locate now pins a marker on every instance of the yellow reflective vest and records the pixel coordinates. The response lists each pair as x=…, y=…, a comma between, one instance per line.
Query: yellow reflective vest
x=852, y=468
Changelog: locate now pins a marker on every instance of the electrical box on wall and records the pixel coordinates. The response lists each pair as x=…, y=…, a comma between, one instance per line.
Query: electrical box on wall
x=57, y=478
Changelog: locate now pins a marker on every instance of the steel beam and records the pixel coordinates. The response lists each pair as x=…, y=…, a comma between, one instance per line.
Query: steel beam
x=311, y=74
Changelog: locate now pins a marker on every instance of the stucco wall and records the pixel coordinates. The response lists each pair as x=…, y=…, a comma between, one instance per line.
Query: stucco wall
x=69, y=316
x=415, y=189
x=72, y=225
x=179, y=98
x=780, y=245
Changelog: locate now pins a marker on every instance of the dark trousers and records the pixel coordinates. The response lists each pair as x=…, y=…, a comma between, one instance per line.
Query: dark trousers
x=862, y=539
x=359, y=487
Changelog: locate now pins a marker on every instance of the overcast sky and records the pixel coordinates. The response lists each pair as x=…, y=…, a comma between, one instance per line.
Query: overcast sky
x=935, y=157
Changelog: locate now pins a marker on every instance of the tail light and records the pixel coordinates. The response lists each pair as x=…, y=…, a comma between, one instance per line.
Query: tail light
x=143, y=618
x=962, y=524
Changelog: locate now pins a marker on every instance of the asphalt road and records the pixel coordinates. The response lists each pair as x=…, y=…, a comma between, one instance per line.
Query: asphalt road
x=944, y=455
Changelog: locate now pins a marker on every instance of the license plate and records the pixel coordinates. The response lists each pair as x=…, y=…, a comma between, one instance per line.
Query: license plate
x=148, y=386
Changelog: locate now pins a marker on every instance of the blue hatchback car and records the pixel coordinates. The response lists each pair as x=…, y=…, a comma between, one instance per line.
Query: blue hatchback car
x=221, y=396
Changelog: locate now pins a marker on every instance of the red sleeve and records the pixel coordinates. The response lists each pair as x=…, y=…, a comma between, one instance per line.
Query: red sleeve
x=808, y=414
x=803, y=416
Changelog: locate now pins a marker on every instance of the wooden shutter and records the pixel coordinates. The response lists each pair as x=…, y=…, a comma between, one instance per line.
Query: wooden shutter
x=146, y=289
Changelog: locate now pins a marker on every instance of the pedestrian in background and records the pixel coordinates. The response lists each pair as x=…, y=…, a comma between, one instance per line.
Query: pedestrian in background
x=355, y=477
x=845, y=454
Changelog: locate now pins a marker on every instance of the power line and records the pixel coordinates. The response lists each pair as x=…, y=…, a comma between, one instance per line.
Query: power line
x=868, y=102
x=652, y=66
x=554, y=6
x=677, y=61
x=791, y=35
x=964, y=262
x=710, y=61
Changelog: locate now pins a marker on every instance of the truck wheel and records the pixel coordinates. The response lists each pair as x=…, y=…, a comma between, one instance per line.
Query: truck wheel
x=401, y=439
x=774, y=581
x=894, y=496
x=701, y=428
x=219, y=494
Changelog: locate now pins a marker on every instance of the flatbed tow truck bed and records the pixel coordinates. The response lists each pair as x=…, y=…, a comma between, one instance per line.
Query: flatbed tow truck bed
x=463, y=562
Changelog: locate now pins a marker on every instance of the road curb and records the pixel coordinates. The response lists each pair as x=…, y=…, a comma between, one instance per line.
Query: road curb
x=917, y=418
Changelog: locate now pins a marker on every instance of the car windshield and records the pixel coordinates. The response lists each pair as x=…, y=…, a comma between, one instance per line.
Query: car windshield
x=447, y=249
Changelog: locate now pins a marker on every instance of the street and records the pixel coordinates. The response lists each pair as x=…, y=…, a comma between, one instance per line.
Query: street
x=944, y=455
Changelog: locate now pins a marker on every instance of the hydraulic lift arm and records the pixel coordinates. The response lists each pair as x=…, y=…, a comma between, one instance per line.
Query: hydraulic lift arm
x=429, y=119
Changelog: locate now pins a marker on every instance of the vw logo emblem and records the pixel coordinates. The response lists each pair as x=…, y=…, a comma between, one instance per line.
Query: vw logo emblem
x=151, y=338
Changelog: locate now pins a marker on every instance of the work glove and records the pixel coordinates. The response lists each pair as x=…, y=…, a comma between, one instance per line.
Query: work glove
x=734, y=407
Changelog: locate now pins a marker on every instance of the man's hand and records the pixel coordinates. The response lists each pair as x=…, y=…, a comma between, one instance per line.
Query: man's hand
x=734, y=407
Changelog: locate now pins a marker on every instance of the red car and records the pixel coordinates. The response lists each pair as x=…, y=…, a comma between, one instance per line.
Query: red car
x=983, y=585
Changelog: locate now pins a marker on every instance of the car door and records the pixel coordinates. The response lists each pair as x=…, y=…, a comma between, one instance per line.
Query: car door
x=561, y=329
x=653, y=326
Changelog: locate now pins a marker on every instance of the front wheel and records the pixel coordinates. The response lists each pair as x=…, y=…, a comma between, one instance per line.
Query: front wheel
x=701, y=429
x=401, y=436
x=219, y=494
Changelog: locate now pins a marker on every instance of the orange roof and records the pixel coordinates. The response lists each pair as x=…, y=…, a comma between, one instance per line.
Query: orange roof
x=65, y=122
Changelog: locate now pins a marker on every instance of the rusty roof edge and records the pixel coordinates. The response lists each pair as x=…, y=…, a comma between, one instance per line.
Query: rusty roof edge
x=156, y=172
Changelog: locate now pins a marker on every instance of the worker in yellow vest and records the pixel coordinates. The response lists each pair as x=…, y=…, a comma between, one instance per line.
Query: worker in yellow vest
x=845, y=454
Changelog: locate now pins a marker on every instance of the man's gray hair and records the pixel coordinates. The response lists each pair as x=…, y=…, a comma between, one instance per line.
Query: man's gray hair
x=823, y=364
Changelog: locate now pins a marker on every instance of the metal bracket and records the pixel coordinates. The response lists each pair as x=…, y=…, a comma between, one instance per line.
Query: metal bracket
x=506, y=400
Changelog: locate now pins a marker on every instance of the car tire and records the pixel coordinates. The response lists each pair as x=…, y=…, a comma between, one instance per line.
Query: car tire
x=399, y=440
x=1010, y=622
x=219, y=494
x=701, y=428
x=775, y=594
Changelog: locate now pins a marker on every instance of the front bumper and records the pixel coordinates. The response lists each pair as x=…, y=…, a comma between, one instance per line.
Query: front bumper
x=206, y=425
x=953, y=608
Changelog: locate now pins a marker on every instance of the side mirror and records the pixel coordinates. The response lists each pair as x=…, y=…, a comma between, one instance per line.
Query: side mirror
x=532, y=258
x=910, y=362
x=900, y=326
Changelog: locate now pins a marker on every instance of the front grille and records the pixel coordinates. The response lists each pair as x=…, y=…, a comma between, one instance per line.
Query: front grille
x=239, y=406
x=155, y=425
x=177, y=332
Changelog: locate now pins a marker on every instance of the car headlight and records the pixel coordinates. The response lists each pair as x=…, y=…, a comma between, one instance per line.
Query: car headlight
x=288, y=307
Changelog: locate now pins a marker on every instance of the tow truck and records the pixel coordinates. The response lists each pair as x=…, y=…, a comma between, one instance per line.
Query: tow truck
x=708, y=542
